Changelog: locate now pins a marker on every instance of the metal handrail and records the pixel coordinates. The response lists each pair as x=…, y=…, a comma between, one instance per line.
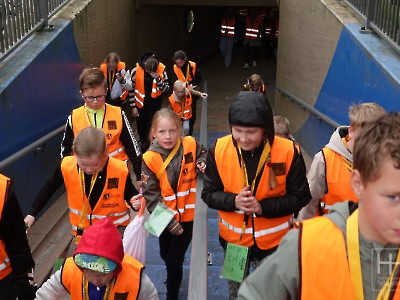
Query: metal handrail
x=19, y=19
x=197, y=289
x=308, y=107
x=382, y=16
x=21, y=153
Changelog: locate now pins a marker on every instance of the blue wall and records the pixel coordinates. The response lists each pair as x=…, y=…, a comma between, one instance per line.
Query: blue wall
x=35, y=100
x=363, y=69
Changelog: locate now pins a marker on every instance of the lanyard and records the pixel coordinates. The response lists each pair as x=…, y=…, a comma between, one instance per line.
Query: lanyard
x=89, y=119
x=110, y=78
x=169, y=158
x=348, y=164
x=85, y=201
x=261, y=162
x=85, y=285
x=353, y=252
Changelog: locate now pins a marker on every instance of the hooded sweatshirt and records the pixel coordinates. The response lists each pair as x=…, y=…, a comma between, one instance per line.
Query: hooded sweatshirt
x=317, y=175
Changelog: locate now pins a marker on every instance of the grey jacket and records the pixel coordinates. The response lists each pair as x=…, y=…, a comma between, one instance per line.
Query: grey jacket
x=151, y=189
x=278, y=276
x=316, y=175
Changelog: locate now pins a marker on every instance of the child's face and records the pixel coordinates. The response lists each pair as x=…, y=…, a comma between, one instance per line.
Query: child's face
x=91, y=164
x=97, y=278
x=99, y=92
x=379, y=204
x=354, y=132
x=180, y=62
x=248, y=138
x=179, y=92
x=112, y=66
x=167, y=133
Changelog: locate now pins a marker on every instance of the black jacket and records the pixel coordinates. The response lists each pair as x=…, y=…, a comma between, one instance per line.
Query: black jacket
x=297, y=189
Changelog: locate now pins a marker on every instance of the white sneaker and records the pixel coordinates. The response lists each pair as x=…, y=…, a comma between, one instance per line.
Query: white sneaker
x=246, y=66
x=254, y=63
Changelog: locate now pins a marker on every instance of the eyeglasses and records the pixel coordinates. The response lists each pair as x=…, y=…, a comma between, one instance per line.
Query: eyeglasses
x=92, y=98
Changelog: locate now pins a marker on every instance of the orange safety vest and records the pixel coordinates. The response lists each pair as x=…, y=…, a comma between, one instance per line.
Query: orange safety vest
x=127, y=283
x=337, y=180
x=5, y=265
x=139, y=84
x=183, y=201
x=112, y=126
x=228, y=27
x=253, y=30
x=182, y=108
x=324, y=270
x=179, y=74
x=268, y=28
x=120, y=66
x=111, y=202
x=267, y=232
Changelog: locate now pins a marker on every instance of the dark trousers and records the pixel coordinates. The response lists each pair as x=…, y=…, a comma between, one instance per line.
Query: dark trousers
x=172, y=251
x=143, y=122
x=7, y=288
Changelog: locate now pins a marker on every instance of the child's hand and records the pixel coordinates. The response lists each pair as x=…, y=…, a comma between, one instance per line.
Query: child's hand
x=29, y=220
x=135, y=112
x=155, y=75
x=201, y=166
x=203, y=95
x=136, y=202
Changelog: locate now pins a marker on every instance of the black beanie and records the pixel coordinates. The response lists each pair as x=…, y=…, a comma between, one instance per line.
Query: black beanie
x=252, y=109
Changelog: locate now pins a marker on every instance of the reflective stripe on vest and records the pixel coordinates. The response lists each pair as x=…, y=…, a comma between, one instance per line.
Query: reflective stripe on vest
x=114, y=153
x=337, y=179
x=111, y=202
x=128, y=280
x=184, y=113
x=183, y=201
x=139, y=84
x=112, y=126
x=267, y=231
x=253, y=30
x=228, y=27
x=259, y=233
x=5, y=265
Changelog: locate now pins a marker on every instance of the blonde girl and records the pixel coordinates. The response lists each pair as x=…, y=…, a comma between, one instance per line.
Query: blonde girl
x=169, y=176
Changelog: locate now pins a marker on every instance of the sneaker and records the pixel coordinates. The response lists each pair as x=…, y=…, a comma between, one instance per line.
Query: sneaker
x=254, y=63
x=246, y=66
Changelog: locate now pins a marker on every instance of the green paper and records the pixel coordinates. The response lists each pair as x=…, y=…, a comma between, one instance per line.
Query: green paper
x=235, y=262
x=58, y=264
x=159, y=219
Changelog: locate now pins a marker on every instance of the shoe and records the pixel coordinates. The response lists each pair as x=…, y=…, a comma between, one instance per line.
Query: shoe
x=246, y=66
x=254, y=63
x=226, y=66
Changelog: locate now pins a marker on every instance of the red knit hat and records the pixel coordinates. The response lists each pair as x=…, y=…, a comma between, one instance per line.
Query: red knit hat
x=103, y=240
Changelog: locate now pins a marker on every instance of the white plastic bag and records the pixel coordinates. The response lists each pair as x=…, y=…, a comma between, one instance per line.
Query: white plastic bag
x=134, y=240
x=116, y=90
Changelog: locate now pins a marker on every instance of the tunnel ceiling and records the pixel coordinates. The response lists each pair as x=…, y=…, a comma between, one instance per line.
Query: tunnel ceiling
x=211, y=2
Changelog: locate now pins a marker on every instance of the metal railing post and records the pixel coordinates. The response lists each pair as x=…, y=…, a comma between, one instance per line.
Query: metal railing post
x=44, y=12
x=370, y=12
x=197, y=289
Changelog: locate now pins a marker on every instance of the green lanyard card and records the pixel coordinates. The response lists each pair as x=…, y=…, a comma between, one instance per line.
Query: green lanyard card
x=235, y=262
x=159, y=219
